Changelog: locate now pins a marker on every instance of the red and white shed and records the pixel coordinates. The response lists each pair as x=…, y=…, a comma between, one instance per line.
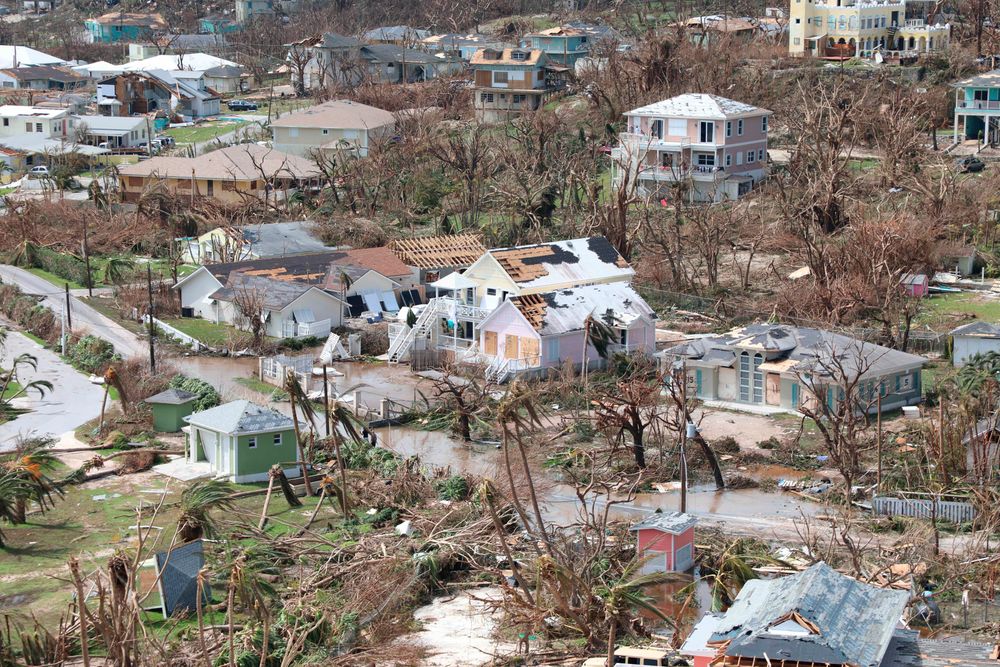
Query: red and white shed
x=667, y=541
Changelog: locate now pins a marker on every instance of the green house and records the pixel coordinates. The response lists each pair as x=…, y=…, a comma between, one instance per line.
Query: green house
x=241, y=441
x=169, y=408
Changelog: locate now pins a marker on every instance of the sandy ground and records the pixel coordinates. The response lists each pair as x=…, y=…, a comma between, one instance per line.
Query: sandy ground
x=747, y=429
x=457, y=630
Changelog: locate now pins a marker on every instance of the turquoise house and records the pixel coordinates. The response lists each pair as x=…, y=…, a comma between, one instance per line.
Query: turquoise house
x=977, y=108
x=217, y=25
x=118, y=26
x=562, y=46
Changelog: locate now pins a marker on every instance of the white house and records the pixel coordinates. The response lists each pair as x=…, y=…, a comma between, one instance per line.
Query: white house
x=290, y=309
x=114, y=131
x=974, y=338
x=335, y=125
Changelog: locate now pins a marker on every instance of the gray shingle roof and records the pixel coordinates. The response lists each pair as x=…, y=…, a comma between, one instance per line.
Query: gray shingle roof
x=172, y=397
x=276, y=294
x=390, y=53
x=817, y=351
x=855, y=621
x=179, y=579
x=909, y=649
x=668, y=522
x=239, y=417
x=978, y=328
x=333, y=40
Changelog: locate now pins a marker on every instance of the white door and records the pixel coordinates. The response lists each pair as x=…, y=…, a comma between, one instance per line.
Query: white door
x=223, y=456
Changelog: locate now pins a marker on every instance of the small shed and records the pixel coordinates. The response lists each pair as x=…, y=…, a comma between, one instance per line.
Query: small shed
x=170, y=407
x=915, y=284
x=175, y=573
x=974, y=338
x=666, y=541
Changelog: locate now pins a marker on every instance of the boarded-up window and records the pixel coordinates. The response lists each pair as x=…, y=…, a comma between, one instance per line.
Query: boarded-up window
x=184, y=184
x=228, y=186
x=490, y=343
x=135, y=181
x=529, y=351
x=510, y=347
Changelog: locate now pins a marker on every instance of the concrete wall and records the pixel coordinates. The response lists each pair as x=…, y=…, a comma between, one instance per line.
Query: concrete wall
x=227, y=191
x=304, y=140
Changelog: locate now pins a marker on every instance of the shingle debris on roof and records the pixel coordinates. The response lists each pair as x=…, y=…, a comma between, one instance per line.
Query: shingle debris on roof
x=566, y=310
x=560, y=262
x=848, y=623
x=909, y=649
x=238, y=417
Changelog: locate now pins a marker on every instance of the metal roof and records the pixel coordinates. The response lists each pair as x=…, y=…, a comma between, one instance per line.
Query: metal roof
x=697, y=105
x=816, y=351
x=667, y=522
x=390, y=53
x=979, y=329
x=395, y=33
x=852, y=623
x=987, y=80
x=240, y=417
x=333, y=40
x=337, y=114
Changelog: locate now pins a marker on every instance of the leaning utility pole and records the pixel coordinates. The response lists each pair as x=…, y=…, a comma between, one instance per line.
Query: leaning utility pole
x=69, y=315
x=684, y=437
x=86, y=259
x=149, y=287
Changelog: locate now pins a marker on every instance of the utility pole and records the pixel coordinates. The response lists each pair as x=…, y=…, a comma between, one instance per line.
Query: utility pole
x=326, y=400
x=86, y=259
x=69, y=316
x=878, y=442
x=149, y=287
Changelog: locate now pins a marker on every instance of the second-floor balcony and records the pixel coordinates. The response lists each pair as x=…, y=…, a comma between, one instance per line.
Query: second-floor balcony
x=979, y=105
x=634, y=140
x=698, y=172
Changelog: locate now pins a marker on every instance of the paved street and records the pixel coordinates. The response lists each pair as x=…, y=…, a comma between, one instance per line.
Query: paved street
x=84, y=317
x=72, y=401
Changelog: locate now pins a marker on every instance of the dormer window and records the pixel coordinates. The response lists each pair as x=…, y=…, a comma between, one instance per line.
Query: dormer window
x=518, y=55
x=491, y=54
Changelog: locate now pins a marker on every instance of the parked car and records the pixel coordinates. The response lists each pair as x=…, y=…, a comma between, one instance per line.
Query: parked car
x=241, y=105
x=41, y=171
x=165, y=140
x=970, y=164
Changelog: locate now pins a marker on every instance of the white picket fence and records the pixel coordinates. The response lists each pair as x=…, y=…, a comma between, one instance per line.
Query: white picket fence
x=923, y=508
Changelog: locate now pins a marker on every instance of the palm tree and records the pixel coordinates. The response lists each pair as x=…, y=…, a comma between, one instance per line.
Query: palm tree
x=11, y=388
x=601, y=335
x=30, y=460
x=111, y=379
x=197, y=503
x=12, y=488
x=626, y=594
x=118, y=268
x=343, y=425
x=299, y=400
x=249, y=568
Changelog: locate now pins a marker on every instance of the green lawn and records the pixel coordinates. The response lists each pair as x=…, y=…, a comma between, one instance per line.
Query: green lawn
x=261, y=387
x=203, y=132
x=942, y=312
x=56, y=280
x=209, y=333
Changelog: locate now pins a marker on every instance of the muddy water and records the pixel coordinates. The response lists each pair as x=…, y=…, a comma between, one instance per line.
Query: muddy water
x=221, y=373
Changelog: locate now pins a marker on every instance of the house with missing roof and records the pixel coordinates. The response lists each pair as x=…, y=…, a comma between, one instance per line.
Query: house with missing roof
x=525, y=309
x=139, y=92
x=240, y=441
x=335, y=126
x=821, y=618
x=704, y=148
x=464, y=45
x=230, y=175
x=779, y=368
x=434, y=257
x=973, y=338
x=562, y=45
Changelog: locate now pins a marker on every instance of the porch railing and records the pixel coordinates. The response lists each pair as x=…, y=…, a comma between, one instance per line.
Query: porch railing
x=979, y=104
x=303, y=329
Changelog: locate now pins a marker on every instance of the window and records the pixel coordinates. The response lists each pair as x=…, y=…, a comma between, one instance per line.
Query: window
x=500, y=77
x=252, y=442
x=739, y=127
x=980, y=95
x=519, y=98
x=729, y=128
x=656, y=128
x=842, y=23
x=797, y=21
x=6, y=122
x=486, y=97
x=707, y=132
x=707, y=159
x=677, y=127
x=325, y=131
x=831, y=23
x=729, y=159
x=27, y=127
x=38, y=127
x=751, y=156
x=762, y=155
x=763, y=123
x=277, y=438
x=228, y=186
x=552, y=349
x=518, y=55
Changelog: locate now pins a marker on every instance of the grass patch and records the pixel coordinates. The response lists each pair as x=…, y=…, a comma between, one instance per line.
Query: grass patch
x=261, y=387
x=209, y=333
x=12, y=389
x=28, y=334
x=196, y=134
x=56, y=280
x=865, y=164
x=943, y=311
x=104, y=307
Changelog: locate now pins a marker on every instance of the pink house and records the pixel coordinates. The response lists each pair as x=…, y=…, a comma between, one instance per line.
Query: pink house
x=532, y=332
x=666, y=540
x=717, y=146
x=915, y=284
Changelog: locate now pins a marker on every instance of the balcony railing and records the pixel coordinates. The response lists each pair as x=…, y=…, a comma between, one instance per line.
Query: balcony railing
x=657, y=173
x=979, y=104
x=302, y=329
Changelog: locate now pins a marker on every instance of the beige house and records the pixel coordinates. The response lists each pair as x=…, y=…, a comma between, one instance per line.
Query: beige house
x=229, y=175
x=338, y=124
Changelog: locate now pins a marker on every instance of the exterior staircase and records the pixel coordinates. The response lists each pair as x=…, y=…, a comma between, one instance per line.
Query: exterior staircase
x=400, y=346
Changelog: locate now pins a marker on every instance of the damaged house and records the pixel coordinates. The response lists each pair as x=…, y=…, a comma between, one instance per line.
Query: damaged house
x=524, y=309
x=778, y=368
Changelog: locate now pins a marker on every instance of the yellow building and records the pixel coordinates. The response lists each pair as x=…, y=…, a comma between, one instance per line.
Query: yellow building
x=855, y=28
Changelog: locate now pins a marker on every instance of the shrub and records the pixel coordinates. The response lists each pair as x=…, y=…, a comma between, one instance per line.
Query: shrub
x=63, y=265
x=454, y=488
x=208, y=397
x=91, y=354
